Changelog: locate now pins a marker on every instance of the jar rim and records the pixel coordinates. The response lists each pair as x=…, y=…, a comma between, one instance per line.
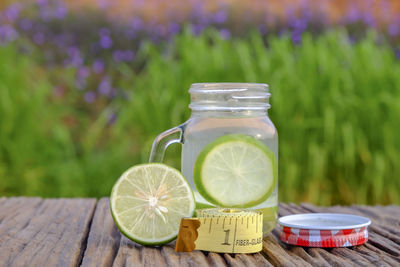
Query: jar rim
x=229, y=96
x=227, y=87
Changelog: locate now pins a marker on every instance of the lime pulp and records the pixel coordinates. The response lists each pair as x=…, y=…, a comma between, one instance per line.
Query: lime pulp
x=148, y=202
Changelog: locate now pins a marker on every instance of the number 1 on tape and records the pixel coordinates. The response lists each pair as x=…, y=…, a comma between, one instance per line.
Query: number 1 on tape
x=221, y=230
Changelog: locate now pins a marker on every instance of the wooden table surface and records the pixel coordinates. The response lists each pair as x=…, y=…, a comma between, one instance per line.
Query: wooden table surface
x=72, y=232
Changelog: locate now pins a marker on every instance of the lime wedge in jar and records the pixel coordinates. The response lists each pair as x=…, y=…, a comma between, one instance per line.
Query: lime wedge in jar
x=235, y=171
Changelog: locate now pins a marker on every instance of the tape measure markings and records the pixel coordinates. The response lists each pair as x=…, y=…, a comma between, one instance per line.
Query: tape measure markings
x=234, y=238
x=211, y=235
x=256, y=225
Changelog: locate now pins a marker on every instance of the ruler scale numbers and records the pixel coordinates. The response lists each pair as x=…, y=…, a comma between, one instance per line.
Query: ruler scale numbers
x=220, y=235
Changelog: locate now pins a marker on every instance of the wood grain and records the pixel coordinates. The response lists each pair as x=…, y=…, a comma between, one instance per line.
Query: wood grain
x=107, y=247
x=72, y=232
x=103, y=242
x=50, y=232
x=2, y=199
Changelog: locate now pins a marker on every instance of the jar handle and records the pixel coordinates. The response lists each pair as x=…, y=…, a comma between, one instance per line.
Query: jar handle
x=163, y=140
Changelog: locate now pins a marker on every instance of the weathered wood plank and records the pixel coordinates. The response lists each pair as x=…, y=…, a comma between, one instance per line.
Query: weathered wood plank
x=314, y=259
x=54, y=232
x=128, y=254
x=374, y=254
x=15, y=214
x=277, y=255
x=215, y=259
x=2, y=199
x=46, y=232
x=104, y=238
x=106, y=247
x=333, y=260
x=384, y=244
x=172, y=258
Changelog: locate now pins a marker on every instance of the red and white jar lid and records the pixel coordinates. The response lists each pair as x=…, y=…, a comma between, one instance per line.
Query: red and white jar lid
x=324, y=229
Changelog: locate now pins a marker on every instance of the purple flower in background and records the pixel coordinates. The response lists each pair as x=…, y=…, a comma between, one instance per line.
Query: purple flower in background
x=60, y=11
x=220, y=16
x=54, y=10
x=74, y=57
x=129, y=55
x=105, y=40
x=112, y=118
x=393, y=29
x=369, y=19
x=137, y=24
x=262, y=28
x=81, y=77
x=198, y=9
x=306, y=13
x=103, y=4
x=98, y=66
x=174, y=28
x=296, y=36
x=123, y=55
x=397, y=53
x=26, y=24
x=105, y=86
x=12, y=12
x=42, y=3
x=118, y=55
x=38, y=38
x=89, y=97
x=353, y=14
x=225, y=34
x=197, y=29
x=7, y=34
x=298, y=24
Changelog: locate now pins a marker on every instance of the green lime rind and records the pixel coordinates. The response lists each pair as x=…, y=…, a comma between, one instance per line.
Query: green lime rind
x=139, y=241
x=129, y=235
x=197, y=172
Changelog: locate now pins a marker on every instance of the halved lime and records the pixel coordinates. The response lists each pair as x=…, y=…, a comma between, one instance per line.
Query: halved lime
x=148, y=202
x=235, y=171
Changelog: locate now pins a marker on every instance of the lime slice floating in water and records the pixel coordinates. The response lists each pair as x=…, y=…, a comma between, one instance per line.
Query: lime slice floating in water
x=148, y=202
x=235, y=171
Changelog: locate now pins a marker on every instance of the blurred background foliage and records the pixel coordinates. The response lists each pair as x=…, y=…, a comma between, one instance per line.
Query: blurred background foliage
x=86, y=86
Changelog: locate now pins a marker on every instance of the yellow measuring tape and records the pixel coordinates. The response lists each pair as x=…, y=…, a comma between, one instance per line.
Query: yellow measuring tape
x=221, y=230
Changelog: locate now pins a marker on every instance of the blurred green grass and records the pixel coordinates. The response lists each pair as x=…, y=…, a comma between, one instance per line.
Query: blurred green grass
x=336, y=106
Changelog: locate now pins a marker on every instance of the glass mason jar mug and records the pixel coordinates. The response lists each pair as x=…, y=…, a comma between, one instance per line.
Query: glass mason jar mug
x=229, y=148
